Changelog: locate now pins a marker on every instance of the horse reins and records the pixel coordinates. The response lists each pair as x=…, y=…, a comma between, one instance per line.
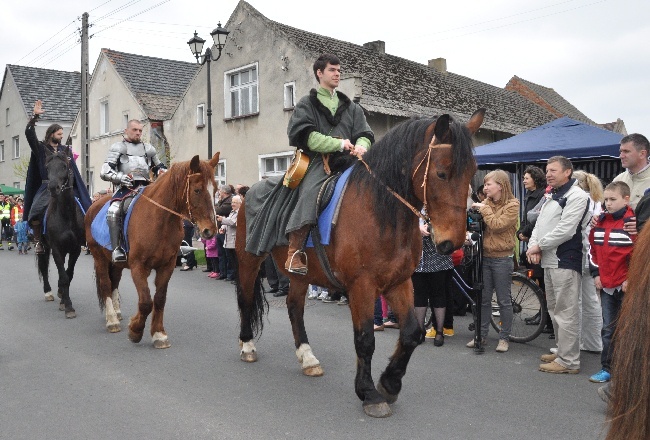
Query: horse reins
x=187, y=200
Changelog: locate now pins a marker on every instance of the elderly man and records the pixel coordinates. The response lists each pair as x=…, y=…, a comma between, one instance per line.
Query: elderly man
x=556, y=242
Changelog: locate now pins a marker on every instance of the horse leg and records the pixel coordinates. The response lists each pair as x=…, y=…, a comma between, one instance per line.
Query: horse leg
x=296, y=309
x=145, y=304
x=410, y=336
x=64, y=284
x=116, y=277
x=43, y=262
x=72, y=261
x=104, y=279
x=362, y=308
x=158, y=333
x=250, y=301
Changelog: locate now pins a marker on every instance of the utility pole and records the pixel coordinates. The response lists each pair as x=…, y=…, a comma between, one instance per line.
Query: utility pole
x=83, y=126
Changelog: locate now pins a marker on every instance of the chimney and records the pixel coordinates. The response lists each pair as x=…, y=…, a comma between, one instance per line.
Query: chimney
x=440, y=64
x=377, y=46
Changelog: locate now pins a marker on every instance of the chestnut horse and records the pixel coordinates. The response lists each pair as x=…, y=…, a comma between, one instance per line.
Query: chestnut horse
x=423, y=161
x=64, y=235
x=629, y=407
x=155, y=232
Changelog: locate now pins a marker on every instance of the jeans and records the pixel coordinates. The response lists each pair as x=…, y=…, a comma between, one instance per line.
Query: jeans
x=611, y=308
x=497, y=276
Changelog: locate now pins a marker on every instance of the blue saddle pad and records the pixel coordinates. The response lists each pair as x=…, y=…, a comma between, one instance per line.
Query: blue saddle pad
x=325, y=220
x=83, y=211
x=99, y=226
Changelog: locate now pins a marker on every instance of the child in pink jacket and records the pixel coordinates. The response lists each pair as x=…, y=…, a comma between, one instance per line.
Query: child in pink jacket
x=211, y=256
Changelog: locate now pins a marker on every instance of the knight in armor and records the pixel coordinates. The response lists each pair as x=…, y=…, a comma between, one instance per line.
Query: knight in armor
x=129, y=165
x=37, y=196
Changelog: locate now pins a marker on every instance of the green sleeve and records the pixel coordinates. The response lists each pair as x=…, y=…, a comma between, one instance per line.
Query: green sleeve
x=321, y=143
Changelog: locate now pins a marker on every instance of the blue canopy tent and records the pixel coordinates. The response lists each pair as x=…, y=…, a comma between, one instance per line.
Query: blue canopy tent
x=561, y=137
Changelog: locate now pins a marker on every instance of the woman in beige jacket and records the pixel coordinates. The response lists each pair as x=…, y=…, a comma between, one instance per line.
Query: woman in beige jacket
x=500, y=211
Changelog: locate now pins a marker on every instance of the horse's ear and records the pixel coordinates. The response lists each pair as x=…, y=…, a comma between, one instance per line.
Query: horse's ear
x=441, y=129
x=476, y=120
x=195, y=164
x=215, y=160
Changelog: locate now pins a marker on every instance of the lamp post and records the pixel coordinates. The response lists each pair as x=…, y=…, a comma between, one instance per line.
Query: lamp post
x=196, y=46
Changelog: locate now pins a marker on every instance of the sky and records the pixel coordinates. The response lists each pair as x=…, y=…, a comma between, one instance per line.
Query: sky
x=595, y=53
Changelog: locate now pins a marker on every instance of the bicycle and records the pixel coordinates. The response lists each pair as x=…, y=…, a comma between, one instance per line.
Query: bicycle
x=528, y=309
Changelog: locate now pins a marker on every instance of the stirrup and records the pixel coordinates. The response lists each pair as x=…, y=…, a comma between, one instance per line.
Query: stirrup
x=297, y=270
x=38, y=248
x=118, y=255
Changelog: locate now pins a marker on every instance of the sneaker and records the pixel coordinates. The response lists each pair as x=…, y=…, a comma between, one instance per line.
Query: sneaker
x=431, y=333
x=213, y=275
x=328, y=299
x=601, y=377
x=470, y=344
x=548, y=357
x=605, y=393
x=553, y=350
x=343, y=301
x=313, y=294
x=502, y=347
x=391, y=324
x=448, y=331
x=323, y=294
x=555, y=368
x=379, y=328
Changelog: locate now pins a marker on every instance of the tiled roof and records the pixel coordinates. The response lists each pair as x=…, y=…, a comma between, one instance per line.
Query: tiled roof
x=60, y=91
x=397, y=86
x=556, y=101
x=156, y=83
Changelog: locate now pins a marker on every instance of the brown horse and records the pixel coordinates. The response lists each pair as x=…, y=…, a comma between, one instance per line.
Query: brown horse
x=155, y=232
x=629, y=407
x=376, y=246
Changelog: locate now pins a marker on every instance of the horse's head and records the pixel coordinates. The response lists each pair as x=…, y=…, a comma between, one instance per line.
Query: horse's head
x=201, y=187
x=448, y=164
x=59, y=172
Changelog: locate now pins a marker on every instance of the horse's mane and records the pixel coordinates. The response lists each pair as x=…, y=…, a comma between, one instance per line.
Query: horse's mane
x=630, y=386
x=391, y=162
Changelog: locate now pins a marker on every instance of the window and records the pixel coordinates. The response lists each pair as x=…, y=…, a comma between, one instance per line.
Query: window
x=7, y=116
x=220, y=173
x=91, y=180
x=17, y=185
x=103, y=117
x=274, y=164
x=200, y=116
x=15, y=142
x=2, y=151
x=290, y=95
x=125, y=119
x=241, y=92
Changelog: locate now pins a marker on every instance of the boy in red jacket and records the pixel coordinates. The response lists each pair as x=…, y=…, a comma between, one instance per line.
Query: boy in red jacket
x=610, y=252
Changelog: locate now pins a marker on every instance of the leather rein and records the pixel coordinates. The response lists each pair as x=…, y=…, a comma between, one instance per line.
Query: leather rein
x=187, y=200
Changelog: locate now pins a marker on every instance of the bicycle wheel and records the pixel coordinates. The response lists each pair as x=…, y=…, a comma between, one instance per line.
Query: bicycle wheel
x=528, y=313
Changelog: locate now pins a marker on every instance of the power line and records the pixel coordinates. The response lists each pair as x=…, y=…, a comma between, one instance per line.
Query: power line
x=97, y=7
x=134, y=15
x=116, y=10
x=40, y=45
x=59, y=55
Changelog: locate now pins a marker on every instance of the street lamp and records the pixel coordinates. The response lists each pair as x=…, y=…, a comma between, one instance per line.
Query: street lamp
x=196, y=46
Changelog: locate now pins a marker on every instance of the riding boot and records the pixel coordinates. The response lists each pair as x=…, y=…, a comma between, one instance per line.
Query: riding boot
x=295, y=263
x=115, y=232
x=38, y=240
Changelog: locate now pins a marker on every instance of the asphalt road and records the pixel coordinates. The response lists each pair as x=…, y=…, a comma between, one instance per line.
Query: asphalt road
x=70, y=379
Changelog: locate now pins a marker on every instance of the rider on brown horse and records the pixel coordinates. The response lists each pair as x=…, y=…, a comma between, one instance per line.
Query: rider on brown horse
x=324, y=124
x=127, y=166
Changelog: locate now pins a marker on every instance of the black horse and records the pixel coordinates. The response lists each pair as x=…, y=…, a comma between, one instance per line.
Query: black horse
x=65, y=233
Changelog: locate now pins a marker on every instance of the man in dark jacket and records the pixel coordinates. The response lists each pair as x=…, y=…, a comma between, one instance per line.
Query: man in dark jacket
x=223, y=209
x=37, y=196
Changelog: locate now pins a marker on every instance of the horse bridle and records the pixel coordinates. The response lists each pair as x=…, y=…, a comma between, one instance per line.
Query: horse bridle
x=67, y=183
x=187, y=201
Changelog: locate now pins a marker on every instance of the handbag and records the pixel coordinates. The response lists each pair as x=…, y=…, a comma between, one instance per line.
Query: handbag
x=297, y=170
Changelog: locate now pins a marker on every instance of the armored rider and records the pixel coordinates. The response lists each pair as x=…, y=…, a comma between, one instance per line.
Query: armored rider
x=128, y=166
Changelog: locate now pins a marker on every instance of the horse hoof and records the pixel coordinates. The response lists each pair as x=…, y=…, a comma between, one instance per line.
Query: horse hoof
x=377, y=410
x=62, y=307
x=71, y=314
x=113, y=328
x=390, y=398
x=249, y=357
x=49, y=296
x=315, y=371
x=134, y=338
x=161, y=343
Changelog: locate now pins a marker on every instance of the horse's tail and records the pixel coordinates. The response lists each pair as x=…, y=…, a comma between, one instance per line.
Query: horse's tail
x=629, y=408
x=246, y=267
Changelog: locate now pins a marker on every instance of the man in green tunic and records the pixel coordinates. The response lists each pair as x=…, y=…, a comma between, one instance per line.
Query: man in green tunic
x=325, y=124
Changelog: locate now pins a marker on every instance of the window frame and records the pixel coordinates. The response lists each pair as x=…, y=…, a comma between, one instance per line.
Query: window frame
x=254, y=97
x=221, y=179
x=15, y=147
x=262, y=158
x=290, y=98
x=7, y=123
x=2, y=151
x=200, y=122
x=104, y=120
